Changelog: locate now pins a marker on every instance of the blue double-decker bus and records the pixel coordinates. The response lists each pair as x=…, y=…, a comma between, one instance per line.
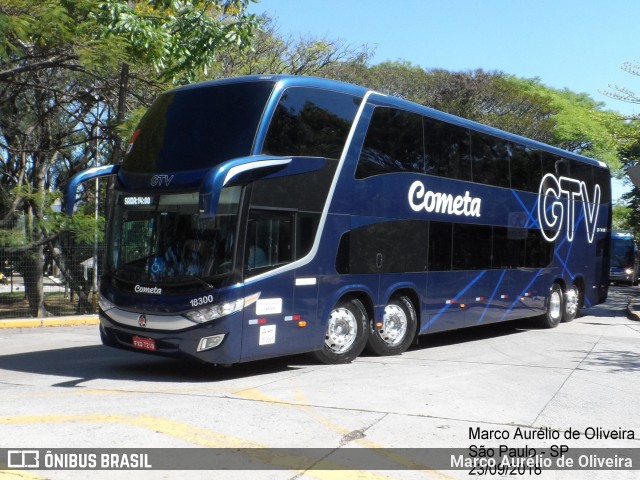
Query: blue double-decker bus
x=263, y=216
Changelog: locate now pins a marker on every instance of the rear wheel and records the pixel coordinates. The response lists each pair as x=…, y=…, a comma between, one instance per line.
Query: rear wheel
x=555, y=307
x=395, y=332
x=571, y=304
x=346, y=334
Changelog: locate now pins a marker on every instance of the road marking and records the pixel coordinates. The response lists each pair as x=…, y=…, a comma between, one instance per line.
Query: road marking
x=303, y=404
x=202, y=437
x=19, y=475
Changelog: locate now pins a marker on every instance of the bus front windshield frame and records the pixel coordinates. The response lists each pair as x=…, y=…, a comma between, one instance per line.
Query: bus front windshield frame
x=163, y=240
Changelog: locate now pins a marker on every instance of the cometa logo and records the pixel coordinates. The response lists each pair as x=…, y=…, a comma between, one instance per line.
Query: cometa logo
x=422, y=199
x=149, y=290
x=558, y=202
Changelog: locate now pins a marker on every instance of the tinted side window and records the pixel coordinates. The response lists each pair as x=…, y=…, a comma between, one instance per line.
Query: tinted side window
x=293, y=193
x=602, y=177
x=539, y=252
x=508, y=247
x=440, y=245
x=554, y=164
x=471, y=247
x=269, y=240
x=388, y=247
x=516, y=248
x=393, y=144
x=447, y=150
x=526, y=168
x=311, y=122
x=490, y=160
x=583, y=172
x=401, y=246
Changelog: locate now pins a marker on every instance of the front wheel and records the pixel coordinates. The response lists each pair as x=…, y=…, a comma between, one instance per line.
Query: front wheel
x=394, y=334
x=555, y=307
x=346, y=334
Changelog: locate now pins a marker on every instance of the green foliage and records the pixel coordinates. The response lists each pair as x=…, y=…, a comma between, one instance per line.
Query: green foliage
x=622, y=218
x=179, y=38
x=84, y=227
x=581, y=124
x=271, y=53
x=572, y=121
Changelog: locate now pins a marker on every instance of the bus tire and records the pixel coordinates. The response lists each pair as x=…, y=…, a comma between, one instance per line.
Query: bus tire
x=395, y=333
x=555, y=307
x=346, y=334
x=571, y=304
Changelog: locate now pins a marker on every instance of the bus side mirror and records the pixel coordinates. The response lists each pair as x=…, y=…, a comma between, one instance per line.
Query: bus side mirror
x=246, y=169
x=72, y=188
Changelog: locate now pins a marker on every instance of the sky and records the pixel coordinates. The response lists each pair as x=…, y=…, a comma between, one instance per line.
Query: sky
x=575, y=44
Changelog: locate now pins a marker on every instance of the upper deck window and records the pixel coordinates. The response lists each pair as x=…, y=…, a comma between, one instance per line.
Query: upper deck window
x=311, y=122
x=198, y=128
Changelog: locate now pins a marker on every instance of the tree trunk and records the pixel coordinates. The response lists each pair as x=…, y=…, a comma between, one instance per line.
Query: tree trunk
x=116, y=154
x=71, y=279
x=34, y=259
x=32, y=266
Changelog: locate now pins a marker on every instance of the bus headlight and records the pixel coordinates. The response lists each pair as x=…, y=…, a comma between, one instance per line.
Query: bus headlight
x=213, y=312
x=628, y=271
x=105, y=304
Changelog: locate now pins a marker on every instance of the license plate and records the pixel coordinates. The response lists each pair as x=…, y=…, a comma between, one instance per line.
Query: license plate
x=144, y=343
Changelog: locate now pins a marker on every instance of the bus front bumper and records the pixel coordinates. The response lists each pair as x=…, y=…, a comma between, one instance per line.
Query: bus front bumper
x=212, y=342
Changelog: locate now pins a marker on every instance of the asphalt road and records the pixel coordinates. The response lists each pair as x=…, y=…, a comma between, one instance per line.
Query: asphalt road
x=577, y=385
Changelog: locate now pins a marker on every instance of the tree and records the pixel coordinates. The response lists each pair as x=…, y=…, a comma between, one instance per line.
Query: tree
x=581, y=124
x=70, y=71
x=271, y=53
x=491, y=98
x=621, y=217
x=627, y=213
x=569, y=120
x=621, y=92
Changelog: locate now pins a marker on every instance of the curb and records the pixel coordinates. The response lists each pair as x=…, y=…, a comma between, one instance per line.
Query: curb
x=72, y=321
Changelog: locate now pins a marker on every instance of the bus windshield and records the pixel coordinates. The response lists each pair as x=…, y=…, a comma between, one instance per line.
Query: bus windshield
x=197, y=128
x=622, y=252
x=162, y=239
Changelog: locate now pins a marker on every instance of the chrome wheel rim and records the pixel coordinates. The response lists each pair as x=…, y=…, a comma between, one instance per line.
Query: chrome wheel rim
x=572, y=301
x=554, y=305
x=394, y=325
x=341, y=330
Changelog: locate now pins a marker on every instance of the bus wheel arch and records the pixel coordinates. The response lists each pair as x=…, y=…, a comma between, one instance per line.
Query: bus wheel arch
x=397, y=329
x=347, y=330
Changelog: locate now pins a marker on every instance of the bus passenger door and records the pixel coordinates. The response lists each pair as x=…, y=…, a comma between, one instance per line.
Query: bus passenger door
x=268, y=246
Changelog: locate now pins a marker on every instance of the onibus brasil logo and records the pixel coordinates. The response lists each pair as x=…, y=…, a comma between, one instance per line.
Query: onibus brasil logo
x=558, y=205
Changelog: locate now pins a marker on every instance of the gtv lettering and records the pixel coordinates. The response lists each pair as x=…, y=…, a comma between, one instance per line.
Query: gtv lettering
x=557, y=205
x=160, y=180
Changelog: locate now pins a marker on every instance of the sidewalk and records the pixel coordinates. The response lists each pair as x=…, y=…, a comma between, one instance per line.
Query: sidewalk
x=68, y=321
